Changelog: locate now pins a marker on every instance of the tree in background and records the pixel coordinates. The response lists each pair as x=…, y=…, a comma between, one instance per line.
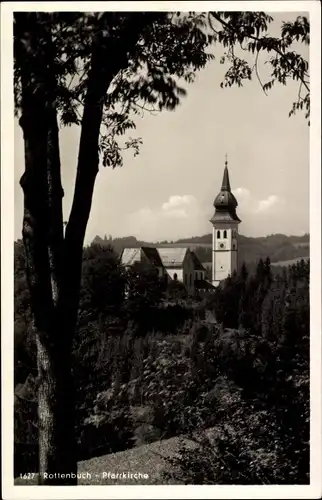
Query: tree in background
x=144, y=291
x=103, y=282
x=176, y=290
x=99, y=70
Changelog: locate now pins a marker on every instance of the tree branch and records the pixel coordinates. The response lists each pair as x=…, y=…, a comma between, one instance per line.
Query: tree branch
x=257, y=73
x=276, y=49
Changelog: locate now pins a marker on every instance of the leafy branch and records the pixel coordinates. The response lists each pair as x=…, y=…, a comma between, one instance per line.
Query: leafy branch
x=286, y=64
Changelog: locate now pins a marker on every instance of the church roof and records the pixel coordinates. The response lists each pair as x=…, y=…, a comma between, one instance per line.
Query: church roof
x=203, y=285
x=196, y=262
x=225, y=216
x=225, y=186
x=153, y=255
x=225, y=202
x=130, y=256
x=172, y=257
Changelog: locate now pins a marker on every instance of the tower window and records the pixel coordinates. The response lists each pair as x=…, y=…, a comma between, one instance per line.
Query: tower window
x=218, y=234
x=225, y=234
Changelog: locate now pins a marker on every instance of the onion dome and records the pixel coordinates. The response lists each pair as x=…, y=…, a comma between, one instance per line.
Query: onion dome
x=225, y=202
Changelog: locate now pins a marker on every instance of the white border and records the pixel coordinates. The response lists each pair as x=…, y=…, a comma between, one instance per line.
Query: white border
x=10, y=491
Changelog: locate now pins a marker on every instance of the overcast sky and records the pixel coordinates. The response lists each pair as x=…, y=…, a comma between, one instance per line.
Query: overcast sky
x=168, y=190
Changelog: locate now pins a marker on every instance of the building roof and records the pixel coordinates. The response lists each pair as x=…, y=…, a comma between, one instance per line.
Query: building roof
x=225, y=186
x=196, y=262
x=172, y=257
x=203, y=285
x=225, y=202
x=130, y=256
x=153, y=256
x=224, y=216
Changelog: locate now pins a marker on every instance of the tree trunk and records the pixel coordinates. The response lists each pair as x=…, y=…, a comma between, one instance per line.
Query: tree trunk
x=43, y=241
x=55, y=391
x=54, y=262
x=109, y=56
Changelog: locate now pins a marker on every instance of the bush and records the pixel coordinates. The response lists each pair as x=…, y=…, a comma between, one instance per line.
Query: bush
x=245, y=449
x=109, y=427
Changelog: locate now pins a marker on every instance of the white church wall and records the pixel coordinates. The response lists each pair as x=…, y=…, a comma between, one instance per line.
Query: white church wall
x=222, y=265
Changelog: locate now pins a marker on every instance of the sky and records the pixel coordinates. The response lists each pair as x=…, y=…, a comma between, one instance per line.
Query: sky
x=167, y=191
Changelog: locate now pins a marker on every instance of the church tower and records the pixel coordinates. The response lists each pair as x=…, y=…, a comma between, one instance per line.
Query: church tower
x=224, y=232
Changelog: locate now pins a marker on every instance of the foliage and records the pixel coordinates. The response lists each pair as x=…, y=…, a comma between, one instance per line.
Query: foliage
x=241, y=395
x=176, y=290
x=103, y=282
x=144, y=283
x=261, y=431
x=249, y=31
x=109, y=427
x=172, y=46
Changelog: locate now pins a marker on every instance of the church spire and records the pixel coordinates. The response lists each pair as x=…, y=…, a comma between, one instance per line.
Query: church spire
x=225, y=181
x=225, y=202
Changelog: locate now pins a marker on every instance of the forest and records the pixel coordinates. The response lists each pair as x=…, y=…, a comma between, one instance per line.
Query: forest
x=148, y=365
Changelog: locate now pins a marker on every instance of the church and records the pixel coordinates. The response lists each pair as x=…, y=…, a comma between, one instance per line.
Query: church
x=182, y=264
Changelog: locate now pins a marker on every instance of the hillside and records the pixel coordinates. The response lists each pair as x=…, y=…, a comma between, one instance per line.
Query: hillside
x=278, y=247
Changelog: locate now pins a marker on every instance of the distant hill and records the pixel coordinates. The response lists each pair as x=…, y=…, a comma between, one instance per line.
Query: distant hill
x=278, y=247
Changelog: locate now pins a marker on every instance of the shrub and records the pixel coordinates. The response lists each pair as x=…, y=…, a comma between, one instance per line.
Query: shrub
x=109, y=427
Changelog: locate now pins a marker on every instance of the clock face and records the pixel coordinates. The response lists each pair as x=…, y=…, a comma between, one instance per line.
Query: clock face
x=221, y=245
